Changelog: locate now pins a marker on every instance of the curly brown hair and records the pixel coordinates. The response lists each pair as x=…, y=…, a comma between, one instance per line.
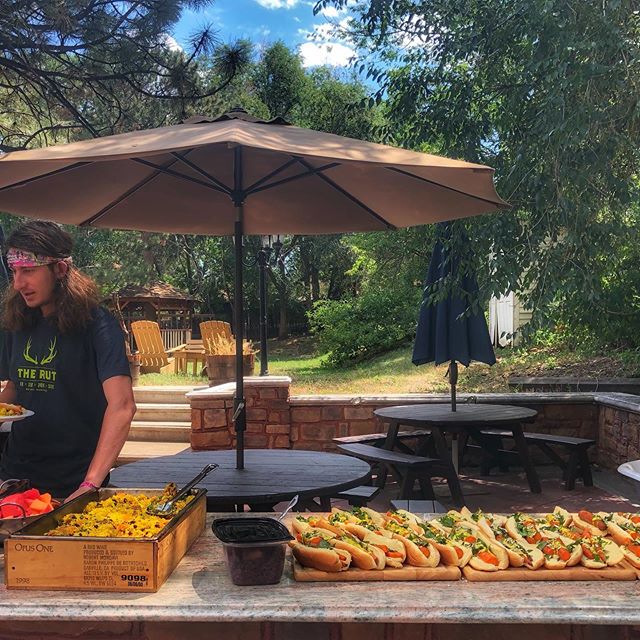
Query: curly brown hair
x=76, y=294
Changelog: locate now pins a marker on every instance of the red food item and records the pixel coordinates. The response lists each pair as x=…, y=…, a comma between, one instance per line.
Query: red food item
x=33, y=502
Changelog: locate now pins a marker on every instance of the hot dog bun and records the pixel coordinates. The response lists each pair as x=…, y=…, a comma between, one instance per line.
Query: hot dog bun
x=452, y=554
x=632, y=553
x=332, y=560
x=393, y=550
x=558, y=555
x=419, y=551
x=363, y=556
x=599, y=552
x=622, y=530
x=594, y=523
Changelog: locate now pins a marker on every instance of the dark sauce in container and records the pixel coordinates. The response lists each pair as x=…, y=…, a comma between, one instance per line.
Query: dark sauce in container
x=254, y=548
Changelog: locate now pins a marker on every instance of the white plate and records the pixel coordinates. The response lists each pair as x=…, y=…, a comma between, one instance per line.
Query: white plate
x=25, y=414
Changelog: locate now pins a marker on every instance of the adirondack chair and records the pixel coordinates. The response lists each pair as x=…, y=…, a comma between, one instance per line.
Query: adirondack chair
x=154, y=358
x=211, y=329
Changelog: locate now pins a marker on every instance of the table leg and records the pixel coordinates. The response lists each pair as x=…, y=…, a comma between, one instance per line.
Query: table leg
x=452, y=476
x=525, y=459
x=392, y=434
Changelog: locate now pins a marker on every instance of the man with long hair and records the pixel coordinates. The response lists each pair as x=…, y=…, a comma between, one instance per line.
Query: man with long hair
x=63, y=357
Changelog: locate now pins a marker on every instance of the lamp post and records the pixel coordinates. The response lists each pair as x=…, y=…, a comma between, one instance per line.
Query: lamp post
x=269, y=253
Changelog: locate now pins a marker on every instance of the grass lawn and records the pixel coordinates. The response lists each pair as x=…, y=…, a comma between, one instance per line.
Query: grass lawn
x=393, y=372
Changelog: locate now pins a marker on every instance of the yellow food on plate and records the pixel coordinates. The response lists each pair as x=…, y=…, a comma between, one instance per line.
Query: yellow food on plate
x=7, y=409
x=123, y=515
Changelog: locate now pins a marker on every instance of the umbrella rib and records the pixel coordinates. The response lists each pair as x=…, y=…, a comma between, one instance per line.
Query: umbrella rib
x=22, y=183
x=348, y=195
x=201, y=171
x=312, y=171
x=444, y=186
x=275, y=172
x=177, y=174
x=121, y=198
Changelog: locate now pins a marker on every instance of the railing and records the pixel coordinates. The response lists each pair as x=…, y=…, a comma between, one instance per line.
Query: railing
x=175, y=337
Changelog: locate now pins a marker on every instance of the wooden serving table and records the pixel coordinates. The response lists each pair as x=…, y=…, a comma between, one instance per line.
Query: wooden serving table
x=199, y=601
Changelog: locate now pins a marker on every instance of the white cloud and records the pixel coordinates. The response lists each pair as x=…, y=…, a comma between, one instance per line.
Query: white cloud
x=333, y=54
x=171, y=43
x=329, y=12
x=277, y=4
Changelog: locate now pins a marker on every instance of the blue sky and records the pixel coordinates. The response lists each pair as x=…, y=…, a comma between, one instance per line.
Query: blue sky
x=265, y=21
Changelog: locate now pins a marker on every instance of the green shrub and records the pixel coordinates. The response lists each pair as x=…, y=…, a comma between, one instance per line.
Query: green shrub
x=354, y=329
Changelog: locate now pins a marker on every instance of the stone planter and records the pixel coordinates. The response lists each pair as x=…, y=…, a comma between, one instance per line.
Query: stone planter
x=222, y=369
x=134, y=367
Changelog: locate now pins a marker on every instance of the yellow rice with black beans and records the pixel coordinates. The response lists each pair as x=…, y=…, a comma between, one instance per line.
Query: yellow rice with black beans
x=123, y=515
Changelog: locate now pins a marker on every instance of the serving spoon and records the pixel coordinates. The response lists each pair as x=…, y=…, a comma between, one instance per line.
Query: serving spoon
x=165, y=508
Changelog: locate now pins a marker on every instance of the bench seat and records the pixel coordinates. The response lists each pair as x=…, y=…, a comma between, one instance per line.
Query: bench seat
x=378, y=439
x=408, y=469
x=577, y=462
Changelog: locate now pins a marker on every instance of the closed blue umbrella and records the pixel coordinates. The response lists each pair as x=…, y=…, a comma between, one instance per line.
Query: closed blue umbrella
x=446, y=332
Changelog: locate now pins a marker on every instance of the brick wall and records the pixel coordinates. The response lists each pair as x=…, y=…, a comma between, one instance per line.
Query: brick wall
x=280, y=421
x=314, y=422
x=618, y=436
x=268, y=416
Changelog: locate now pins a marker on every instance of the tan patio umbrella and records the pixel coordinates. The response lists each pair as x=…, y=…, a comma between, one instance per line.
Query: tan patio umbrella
x=239, y=175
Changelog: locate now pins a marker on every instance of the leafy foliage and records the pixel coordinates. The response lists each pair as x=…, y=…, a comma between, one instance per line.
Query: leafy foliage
x=546, y=91
x=353, y=329
x=94, y=67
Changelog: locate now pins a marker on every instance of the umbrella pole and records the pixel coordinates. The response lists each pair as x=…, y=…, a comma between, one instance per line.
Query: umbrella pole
x=239, y=406
x=453, y=381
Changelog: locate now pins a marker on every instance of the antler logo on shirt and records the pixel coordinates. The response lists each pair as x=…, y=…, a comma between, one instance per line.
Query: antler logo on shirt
x=45, y=359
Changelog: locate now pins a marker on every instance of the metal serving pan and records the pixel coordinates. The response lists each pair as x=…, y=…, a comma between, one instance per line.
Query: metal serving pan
x=51, y=520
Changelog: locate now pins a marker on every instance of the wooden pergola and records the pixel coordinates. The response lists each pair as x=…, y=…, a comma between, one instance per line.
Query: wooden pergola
x=163, y=303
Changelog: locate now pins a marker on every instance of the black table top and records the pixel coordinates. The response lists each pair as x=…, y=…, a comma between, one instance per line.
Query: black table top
x=471, y=415
x=270, y=475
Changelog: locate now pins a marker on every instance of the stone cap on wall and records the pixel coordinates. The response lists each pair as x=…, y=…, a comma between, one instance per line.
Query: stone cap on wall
x=227, y=390
x=626, y=401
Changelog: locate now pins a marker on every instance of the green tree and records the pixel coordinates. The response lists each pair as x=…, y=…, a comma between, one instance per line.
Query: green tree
x=70, y=69
x=546, y=91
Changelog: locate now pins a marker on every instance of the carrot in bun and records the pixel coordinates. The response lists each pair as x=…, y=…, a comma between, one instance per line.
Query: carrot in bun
x=404, y=519
x=523, y=528
x=363, y=555
x=599, y=552
x=393, y=550
x=420, y=551
x=521, y=554
x=451, y=552
x=632, y=553
x=486, y=555
x=623, y=530
x=559, y=554
x=315, y=551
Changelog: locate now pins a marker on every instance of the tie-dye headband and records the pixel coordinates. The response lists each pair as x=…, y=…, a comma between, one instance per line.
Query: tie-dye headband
x=20, y=258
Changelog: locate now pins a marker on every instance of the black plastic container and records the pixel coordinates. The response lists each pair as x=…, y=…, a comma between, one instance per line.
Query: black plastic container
x=254, y=548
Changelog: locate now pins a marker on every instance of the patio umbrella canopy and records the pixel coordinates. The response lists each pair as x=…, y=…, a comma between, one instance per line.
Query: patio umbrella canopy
x=446, y=332
x=239, y=175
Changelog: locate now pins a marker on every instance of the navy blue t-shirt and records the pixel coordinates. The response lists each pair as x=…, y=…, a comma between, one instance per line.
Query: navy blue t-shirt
x=59, y=377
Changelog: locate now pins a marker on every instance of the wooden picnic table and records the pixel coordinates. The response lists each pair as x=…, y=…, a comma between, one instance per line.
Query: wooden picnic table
x=270, y=476
x=469, y=419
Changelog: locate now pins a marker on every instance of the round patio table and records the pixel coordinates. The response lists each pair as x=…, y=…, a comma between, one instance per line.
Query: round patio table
x=470, y=419
x=270, y=476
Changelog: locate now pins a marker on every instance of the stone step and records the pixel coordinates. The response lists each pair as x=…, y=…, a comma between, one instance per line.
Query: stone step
x=157, y=412
x=133, y=451
x=160, y=431
x=161, y=394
